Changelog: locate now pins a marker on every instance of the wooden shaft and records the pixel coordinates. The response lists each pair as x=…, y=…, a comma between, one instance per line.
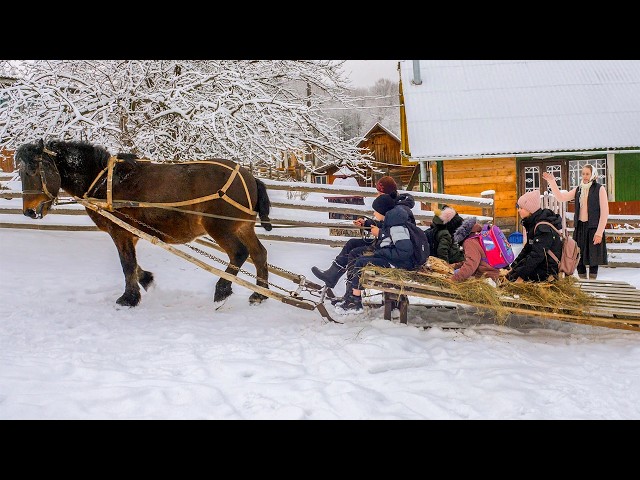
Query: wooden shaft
x=195, y=261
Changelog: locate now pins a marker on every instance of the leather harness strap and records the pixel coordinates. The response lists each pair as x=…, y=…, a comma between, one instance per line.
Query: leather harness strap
x=221, y=193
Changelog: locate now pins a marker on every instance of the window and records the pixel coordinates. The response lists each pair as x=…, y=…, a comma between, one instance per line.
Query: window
x=575, y=171
x=321, y=179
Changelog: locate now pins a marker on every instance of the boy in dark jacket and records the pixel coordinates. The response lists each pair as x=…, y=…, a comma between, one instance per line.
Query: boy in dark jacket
x=533, y=263
x=393, y=247
x=356, y=247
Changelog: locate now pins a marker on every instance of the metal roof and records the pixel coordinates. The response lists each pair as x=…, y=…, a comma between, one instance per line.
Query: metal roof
x=494, y=107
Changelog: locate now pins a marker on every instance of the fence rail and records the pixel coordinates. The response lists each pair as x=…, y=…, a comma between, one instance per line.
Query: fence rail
x=283, y=213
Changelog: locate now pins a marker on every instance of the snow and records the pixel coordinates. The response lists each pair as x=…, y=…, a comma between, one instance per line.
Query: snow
x=67, y=351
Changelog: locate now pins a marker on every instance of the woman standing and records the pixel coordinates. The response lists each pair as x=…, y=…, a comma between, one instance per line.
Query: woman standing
x=591, y=213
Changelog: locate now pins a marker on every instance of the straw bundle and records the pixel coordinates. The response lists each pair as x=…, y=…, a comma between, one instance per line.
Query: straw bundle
x=560, y=296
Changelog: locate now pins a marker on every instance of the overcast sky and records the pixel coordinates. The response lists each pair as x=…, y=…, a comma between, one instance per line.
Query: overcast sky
x=364, y=73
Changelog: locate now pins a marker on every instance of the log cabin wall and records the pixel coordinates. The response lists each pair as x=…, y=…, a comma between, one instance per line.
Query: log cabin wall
x=472, y=177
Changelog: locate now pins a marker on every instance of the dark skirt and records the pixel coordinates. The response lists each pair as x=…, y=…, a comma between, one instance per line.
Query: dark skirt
x=590, y=254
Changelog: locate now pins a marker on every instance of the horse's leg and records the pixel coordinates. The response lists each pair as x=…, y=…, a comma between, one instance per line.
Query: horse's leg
x=238, y=254
x=145, y=278
x=258, y=253
x=127, y=251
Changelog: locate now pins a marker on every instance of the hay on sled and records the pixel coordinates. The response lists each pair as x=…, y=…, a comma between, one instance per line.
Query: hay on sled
x=560, y=296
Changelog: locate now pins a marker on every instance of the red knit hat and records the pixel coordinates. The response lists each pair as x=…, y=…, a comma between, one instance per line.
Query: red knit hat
x=387, y=185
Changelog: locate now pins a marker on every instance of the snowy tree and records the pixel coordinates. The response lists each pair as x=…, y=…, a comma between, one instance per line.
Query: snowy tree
x=378, y=103
x=253, y=112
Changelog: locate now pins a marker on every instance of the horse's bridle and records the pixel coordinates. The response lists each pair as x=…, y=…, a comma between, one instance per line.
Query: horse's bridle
x=44, y=190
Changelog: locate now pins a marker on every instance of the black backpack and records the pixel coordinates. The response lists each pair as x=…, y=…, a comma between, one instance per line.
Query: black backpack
x=431, y=236
x=420, y=242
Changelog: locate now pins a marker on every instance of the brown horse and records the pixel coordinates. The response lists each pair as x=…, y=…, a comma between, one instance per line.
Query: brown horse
x=176, y=202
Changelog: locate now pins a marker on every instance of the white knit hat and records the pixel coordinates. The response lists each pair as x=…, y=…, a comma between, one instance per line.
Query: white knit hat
x=446, y=214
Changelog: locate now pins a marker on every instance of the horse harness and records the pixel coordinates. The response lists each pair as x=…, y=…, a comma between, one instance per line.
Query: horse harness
x=111, y=204
x=43, y=182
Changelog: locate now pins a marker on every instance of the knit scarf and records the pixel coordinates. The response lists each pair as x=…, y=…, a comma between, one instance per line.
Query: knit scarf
x=584, y=193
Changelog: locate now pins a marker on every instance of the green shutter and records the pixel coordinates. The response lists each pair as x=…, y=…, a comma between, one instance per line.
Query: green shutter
x=627, y=175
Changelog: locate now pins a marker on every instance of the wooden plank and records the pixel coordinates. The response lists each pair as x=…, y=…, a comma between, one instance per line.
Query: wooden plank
x=504, y=163
x=48, y=226
x=371, y=192
x=473, y=179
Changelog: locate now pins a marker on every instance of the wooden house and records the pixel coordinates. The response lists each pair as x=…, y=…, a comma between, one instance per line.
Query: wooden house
x=479, y=125
x=384, y=146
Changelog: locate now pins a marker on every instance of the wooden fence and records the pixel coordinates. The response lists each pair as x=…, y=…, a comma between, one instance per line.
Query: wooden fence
x=285, y=215
x=297, y=219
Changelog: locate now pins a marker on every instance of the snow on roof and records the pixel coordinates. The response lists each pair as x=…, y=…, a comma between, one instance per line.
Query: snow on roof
x=382, y=127
x=485, y=107
x=345, y=172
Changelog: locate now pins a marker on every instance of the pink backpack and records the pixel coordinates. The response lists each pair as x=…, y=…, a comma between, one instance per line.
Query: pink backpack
x=496, y=247
x=570, y=252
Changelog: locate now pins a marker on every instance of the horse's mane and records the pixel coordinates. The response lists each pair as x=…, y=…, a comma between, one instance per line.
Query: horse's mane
x=94, y=154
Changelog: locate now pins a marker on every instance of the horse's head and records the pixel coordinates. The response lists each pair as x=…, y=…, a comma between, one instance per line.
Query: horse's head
x=40, y=178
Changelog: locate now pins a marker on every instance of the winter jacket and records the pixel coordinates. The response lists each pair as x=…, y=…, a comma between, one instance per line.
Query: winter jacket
x=406, y=200
x=394, y=243
x=473, y=264
x=446, y=248
x=533, y=263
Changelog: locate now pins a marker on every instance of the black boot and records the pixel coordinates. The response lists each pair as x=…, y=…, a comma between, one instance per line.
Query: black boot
x=352, y=304
x=347, y=288
x=330, y=276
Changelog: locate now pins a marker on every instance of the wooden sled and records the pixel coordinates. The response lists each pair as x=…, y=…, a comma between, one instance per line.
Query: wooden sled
x=617, y=304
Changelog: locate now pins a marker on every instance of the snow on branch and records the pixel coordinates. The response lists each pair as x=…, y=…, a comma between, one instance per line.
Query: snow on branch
x=254, y=112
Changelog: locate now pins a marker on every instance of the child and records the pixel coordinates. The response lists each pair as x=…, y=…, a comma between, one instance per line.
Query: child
x=533, y=263
x=393, y=247
x=475, y=263
x=446, y=221
x=356, y=247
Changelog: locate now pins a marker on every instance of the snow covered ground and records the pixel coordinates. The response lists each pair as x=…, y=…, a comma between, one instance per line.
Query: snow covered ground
x=67, y=351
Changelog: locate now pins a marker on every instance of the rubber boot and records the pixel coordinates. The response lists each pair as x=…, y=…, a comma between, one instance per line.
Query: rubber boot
x=347, y=288
x=582, y=275
x=350, y=305
x=593, y=276
x=330, y=276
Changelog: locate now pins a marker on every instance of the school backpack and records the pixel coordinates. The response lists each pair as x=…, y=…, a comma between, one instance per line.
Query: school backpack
x=431, y=236
x=570, y=252
x=496, y=247
x=420, y=244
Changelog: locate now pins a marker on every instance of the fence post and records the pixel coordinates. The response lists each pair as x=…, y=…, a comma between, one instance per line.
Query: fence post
x=490, y=211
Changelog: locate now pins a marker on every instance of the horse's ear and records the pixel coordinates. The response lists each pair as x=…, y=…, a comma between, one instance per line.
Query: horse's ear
x=41, y=144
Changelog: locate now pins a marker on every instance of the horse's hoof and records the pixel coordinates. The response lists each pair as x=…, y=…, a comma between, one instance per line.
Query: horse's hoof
x=128, y=300
x=257, y=298
x=222, y=292
x=146, y=280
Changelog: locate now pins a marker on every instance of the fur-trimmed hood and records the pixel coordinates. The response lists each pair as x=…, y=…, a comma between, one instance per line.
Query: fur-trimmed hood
x=469, y=225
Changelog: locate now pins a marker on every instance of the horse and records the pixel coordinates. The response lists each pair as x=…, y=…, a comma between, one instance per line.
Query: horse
x=176, y=202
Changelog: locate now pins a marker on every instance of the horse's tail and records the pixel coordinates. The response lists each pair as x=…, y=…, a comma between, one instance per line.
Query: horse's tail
x=263, y=205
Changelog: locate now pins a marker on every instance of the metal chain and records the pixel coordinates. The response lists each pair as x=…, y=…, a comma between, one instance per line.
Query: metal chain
x=207, y=254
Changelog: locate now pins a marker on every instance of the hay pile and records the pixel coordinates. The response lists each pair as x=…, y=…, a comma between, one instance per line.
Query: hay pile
x=560, y=296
